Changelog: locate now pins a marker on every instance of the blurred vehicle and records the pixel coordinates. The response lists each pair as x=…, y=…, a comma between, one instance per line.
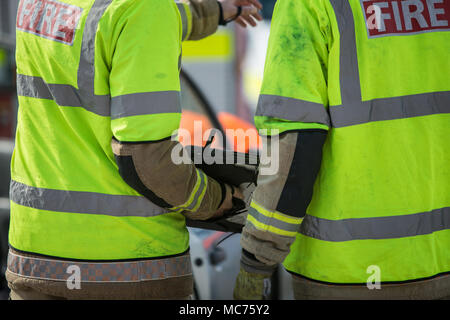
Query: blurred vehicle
x=6, y=149
x=215, y=267
x=211, y=63
x=7, y=121
x=199, y=118
x=7, y=68
x=215, y=259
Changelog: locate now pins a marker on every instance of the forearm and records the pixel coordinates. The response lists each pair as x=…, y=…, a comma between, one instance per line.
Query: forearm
x=149, y=169
x=280, y=200
x=200, y=18
x=294, y=101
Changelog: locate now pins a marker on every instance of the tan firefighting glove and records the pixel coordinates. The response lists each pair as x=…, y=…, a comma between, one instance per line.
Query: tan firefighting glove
x=251, y=286
x=254, y=279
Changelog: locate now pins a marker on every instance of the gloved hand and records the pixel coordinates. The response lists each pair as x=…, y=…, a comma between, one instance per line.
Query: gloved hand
x=227, y=204
x=251, y=286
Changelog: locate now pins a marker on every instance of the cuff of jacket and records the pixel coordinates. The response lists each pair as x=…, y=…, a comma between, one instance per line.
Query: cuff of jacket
x=252, y=265
x=205, y=18
x=178, y=187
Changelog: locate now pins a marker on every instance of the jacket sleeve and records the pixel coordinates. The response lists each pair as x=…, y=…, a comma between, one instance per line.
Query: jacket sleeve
x=200, y=18
x=145, y=112
x=292, y=114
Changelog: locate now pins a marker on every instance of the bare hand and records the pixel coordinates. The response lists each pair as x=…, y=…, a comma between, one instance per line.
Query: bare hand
x=228, y=202
x=249, y=14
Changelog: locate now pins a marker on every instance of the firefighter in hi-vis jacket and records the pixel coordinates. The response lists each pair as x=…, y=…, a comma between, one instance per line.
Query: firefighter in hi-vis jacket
x=94, y=192
x=359, y=92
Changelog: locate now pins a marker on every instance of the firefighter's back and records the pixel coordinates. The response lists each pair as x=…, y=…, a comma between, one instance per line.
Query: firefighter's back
x=383, y=192
x=67, y=197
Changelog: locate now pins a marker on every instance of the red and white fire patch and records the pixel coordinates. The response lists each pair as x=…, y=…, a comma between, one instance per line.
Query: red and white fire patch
x=49, y=19
x=400, y=17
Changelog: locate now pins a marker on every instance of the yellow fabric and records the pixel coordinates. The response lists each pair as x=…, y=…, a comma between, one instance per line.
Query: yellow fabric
x=389, y=168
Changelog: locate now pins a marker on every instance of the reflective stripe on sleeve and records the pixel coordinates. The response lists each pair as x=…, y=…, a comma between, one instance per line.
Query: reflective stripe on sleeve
x=274, y=222
x=197, y=194
x=145, y=103
x=183, y=8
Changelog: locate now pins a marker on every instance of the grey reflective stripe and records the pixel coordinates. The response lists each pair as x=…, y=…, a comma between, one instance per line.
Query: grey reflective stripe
x=292, y=109
x=127, y=271
x=199, y=192
x=203, y=184
x=63, y=94
x=83, y=202
x=273, y=222
x=376, y=228
x=86, y=68
x=348, y=59
x=184, y=20
x=390, y=109
x=353, y=110
x=145, y=103
x=36, y=87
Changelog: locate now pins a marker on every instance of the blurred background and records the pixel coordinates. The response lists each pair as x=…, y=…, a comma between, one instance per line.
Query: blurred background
x=220, y=83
